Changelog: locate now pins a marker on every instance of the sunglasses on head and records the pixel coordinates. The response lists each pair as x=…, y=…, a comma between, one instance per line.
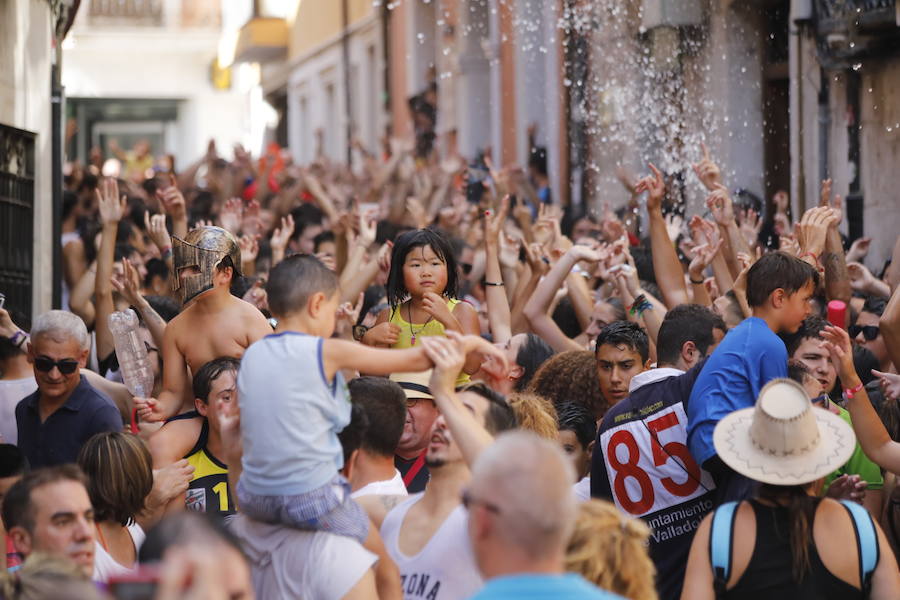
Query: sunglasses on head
x=66, y=366
x=870, y=332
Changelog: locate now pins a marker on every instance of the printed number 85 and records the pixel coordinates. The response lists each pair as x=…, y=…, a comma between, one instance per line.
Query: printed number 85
x=631, y=467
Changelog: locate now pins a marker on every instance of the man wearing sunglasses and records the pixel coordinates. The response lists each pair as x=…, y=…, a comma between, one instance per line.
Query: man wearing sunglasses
x=867, y=334
x=66, y=410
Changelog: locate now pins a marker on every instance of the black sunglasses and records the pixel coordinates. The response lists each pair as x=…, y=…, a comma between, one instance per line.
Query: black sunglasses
x=870, y=332
x=66, y=366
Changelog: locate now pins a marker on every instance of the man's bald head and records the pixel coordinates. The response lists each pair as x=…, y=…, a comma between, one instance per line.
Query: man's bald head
x=528, y=481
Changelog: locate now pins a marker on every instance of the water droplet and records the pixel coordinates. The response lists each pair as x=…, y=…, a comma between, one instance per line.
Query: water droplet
x=857, y=66
x=421, y=37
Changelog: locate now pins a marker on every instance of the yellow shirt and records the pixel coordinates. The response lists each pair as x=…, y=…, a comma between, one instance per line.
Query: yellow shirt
x=409, y=332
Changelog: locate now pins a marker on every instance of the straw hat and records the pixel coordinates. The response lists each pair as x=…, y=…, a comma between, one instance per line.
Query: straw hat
x=784, y=440
x=415, y=385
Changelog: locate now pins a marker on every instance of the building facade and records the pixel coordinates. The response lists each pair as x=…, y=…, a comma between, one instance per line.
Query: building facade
x=784, y=93
x=148, y=70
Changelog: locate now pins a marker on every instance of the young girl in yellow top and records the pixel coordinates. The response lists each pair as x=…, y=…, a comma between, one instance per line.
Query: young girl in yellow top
x=421, y=289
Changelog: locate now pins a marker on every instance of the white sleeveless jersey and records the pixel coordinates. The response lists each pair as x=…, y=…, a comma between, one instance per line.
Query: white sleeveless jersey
x=445, y=568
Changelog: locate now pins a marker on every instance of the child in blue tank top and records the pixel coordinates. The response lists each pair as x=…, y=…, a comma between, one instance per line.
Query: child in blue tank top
x=294, y=401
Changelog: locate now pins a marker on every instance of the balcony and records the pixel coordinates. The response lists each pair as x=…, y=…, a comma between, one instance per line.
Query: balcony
x=849, y=30
x=141, y=13
x=262, y=39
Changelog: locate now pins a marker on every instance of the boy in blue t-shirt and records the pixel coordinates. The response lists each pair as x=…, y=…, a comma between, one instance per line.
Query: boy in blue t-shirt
x=779, y=287
x=293, y=403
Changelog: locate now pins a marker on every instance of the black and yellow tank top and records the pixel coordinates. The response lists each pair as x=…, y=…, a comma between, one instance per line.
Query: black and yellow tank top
x=208, y=490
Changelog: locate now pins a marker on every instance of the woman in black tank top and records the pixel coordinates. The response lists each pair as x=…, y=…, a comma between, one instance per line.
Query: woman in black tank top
x=776, y=530
x=778, y=526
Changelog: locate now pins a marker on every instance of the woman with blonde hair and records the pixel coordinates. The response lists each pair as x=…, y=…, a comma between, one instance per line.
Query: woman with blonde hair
x=47, y=577
x=534, y=413
x=609, y=549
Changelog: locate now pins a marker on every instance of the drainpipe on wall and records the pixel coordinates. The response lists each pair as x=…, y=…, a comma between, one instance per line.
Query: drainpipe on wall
x=56, y=149
x=345, y=59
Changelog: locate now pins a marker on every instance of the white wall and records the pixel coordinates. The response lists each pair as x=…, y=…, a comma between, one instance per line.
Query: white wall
x=319, y=74
x=25, y=61
x=146, y=62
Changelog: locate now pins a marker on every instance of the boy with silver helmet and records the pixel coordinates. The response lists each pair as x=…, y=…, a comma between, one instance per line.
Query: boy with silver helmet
x=213, y=323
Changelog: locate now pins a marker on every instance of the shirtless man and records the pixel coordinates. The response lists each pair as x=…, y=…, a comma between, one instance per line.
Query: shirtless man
x=213, y=324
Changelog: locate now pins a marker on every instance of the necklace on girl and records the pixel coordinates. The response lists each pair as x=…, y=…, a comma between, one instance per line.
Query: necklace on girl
x=413, y=333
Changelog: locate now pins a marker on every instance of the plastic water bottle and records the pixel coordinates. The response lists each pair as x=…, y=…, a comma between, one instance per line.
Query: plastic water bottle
x=131, y=353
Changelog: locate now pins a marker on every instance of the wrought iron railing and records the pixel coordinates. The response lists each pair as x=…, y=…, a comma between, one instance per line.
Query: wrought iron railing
x=16, y=216
x=126, y=12
x=848, y=30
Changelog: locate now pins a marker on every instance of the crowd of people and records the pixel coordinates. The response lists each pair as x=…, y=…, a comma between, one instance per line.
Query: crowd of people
x=430, y=380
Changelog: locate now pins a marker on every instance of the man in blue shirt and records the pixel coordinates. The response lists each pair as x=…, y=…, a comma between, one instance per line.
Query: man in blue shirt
x=66, y=410
x=779, y=287
x=521, y=515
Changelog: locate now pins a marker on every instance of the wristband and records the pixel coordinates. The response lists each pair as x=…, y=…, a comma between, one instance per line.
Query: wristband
x=815, y=258
x=493, y=283
x=18, y=338
x=166, y=252
x=849, y=393
x=695, y=282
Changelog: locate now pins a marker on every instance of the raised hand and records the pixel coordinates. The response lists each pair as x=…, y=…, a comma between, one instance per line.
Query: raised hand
x=367, y=230
x=836, y=203
x=707, y=171
x=251, y=224
x=703, y=255
x=859, y=249
x=788, y=244
x=328, y=260
x=128, y=283
x=281, y=236
x=493, y=224
x=416, y=212
x=112, y=206
x=249, y=249
x=232, y=215
x=890, y=384
x=172, y=201
x=751, y=225
x=534, y=255
x=837, y=344
x=449, y=358
x=720, y=205
x=861, y=278
x=655, y=186
x=156, y=229
x=813, y=229
x=256, y=296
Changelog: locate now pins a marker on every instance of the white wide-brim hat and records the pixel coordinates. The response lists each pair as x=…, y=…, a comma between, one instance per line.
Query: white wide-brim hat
x=784, y=439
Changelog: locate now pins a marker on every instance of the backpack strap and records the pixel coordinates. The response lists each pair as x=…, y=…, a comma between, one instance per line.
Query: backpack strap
x=720, y=537
x=866, y=543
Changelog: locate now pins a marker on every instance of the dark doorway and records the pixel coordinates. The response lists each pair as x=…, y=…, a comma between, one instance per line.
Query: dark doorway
x=776, y=99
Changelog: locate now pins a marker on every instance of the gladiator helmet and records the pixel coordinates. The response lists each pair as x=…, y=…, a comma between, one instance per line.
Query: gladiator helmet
x=203, y=248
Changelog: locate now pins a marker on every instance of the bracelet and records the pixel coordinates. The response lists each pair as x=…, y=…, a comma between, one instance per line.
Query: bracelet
x=166, y=252
x=850, y=392
x=815, y=258
x=695, y=282
x=639, y=305
x=18, y=338
x=493, y=283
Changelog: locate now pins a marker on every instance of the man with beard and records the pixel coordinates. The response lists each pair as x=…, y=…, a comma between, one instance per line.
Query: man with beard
x=426, y=534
